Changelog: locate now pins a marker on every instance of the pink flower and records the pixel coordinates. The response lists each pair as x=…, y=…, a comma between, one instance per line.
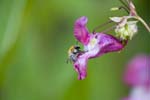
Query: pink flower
x=138, y=71
x=137, y=75
x=95, y=45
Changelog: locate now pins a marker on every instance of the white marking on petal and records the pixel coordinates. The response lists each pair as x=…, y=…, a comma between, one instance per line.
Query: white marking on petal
x=92, y=44
x=93, y=47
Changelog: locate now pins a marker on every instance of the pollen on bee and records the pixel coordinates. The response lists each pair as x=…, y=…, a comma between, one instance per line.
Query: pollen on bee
x=70, y=49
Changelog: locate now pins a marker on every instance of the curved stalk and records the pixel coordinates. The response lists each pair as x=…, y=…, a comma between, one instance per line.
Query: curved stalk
x=143, y=22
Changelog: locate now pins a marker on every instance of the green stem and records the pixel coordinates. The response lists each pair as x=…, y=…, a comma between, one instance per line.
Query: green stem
x=143, y=22
x=124, y=8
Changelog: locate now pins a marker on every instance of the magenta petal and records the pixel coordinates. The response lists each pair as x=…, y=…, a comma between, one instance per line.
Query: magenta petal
x=109, y=43
x=80, y=31
x=106, y=43
x=80, y=66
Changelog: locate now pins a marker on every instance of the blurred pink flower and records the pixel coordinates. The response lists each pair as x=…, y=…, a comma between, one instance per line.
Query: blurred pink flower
x=137, y=75
x=95, y=45
x=138, y=71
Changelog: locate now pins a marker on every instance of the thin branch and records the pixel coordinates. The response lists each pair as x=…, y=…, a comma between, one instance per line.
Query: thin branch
x=128, y=1
x=126, y=5
x=109, y=29
x=144, y=23
x=102, y=25
x=122, y=7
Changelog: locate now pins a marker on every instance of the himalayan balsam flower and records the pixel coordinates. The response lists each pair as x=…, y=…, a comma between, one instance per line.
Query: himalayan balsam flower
x=95, y=45
x=125, y=29
x=126, y=26
x=137, y=75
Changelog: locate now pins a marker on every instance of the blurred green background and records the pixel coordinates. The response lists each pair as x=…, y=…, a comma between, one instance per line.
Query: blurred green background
x=34, y=38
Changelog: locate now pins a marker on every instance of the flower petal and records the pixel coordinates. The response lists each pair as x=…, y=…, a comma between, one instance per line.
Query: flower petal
x=80, y=66
x=101, y=43
x=116, y=19
x=109, y=43
x=80, y=31
x=133, y=27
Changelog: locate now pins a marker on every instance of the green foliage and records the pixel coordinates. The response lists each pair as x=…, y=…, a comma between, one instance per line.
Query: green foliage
x=34, y=38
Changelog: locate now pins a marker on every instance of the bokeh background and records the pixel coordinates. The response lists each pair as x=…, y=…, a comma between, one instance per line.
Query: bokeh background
x=34, y=38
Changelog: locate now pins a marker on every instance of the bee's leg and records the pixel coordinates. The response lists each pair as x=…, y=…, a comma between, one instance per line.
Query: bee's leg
x=102, y=25
x=67, y=60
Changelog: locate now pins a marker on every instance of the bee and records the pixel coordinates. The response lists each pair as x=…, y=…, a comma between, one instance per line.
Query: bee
x=73, y=53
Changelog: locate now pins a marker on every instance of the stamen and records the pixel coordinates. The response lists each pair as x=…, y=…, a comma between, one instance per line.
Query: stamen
x=102, y=25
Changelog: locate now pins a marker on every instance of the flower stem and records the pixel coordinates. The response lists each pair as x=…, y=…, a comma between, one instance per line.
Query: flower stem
x=124, y=8
x=124, y=4
x=102, y=25
x=143, y=22
x=109, y=29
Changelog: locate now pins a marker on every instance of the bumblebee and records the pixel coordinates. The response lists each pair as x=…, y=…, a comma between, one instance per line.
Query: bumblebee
x=73, y=53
